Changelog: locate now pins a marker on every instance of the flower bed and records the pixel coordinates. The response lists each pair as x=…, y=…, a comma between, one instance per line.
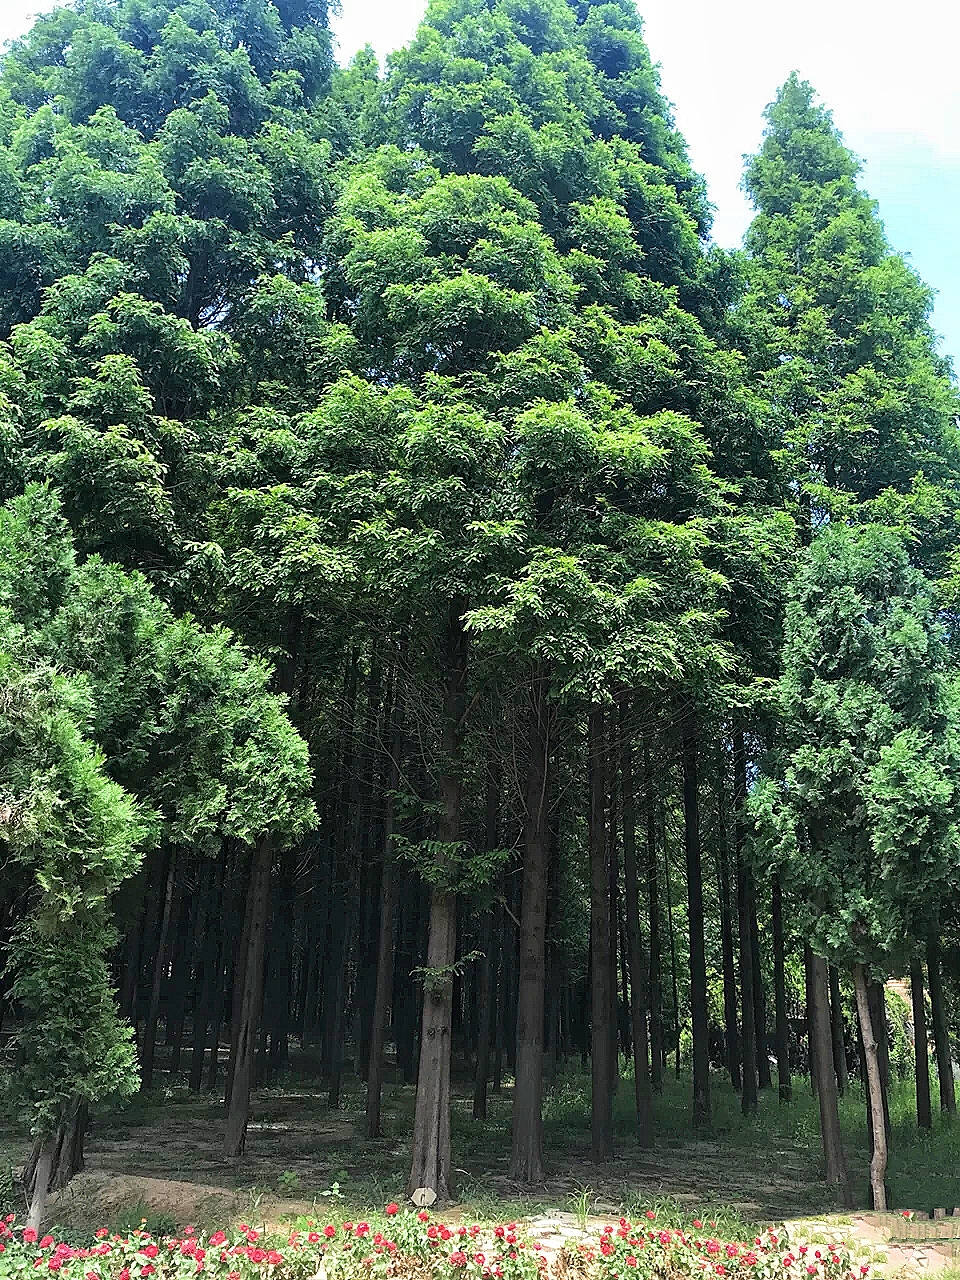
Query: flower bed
x=407, y=1245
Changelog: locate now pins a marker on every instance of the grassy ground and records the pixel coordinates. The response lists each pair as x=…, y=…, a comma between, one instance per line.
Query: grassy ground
x=739, y=1172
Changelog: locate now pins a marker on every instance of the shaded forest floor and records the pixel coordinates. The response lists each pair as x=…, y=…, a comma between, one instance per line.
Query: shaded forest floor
x=160, y=1157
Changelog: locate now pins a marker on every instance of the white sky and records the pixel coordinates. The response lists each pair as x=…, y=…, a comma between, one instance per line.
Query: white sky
x=722, y=60
x=887, y=70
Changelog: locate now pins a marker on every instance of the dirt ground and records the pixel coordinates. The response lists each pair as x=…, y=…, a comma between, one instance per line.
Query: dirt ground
x=166, y=1153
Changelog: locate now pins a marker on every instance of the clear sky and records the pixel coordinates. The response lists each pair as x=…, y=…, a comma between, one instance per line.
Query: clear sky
x=886, y=69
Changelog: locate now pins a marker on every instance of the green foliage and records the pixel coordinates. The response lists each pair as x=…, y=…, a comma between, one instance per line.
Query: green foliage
x=180, y=716
x=860, y=817
x=836, y=327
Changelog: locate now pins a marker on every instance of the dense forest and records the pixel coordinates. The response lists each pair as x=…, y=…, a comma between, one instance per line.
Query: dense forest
x=453, y=615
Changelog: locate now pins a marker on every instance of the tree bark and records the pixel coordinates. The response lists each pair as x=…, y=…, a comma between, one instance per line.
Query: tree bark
x=921, y=1049
x=159, y=966
x=731, y=1034
x=655, y=992
x=41, y=1181
x=432, y=1163
x=836, y=1032
x=487, y=1026
x=384, y=987
x=764, y=1079
x=748, y=1040
x=835, y=1166
x=638, y=1011
x=601, y=1111
x=878, y=1161
x=385, y=947
x=698, y=956
x=201, y=1013
x=526, y=1163
x=876, y=994
x=249, y=997
x=784, y=1087
x=941, y=1033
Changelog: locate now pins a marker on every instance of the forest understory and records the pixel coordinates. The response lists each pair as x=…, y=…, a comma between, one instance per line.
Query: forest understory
x=161, y=1157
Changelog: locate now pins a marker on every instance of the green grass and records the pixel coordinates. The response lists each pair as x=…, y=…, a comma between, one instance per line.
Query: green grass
x=736, y=1171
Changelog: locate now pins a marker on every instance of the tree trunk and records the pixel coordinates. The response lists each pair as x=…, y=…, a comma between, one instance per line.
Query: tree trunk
x=526, y=1163
x=487, y=983
x=41, y=1181
x=878, y=1162
x=638, y=1010
x=836, y=1032
x=159, y=966
x=201, y=1013
x=835, y=1166
x=698, y=956
x=432, y=1163
x=921, y=1049
x=249, y=998
x=784, y=1087
x=485, y=1028
x=655, y=992
x=385, y=947
x=748, y=1039
x=941, y=1033
x=808, y=1004
x=764, y=1079
x=876, y=994
x=384, y=986
x=601, y=1111
x=731, y=1035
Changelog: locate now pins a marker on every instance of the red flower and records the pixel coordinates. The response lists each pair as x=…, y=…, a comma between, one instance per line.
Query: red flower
x=148, y=1270
x=218, y=1237
x=697, y=1223
x=458, y=1259
x=651, y=1215
x=233, y=1275
x=313, y=1237
x=46, y=1242
x=329, y=1231
x=274, y=1258
x=124, y=1274
x=750, y=1258
x=391, y=1209
x=423, y=1216
x=631, y=1260
x=362, y=1228
x=499, y=1233
x=151, y=1250
x=29, y=1235
x=55, y=1264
